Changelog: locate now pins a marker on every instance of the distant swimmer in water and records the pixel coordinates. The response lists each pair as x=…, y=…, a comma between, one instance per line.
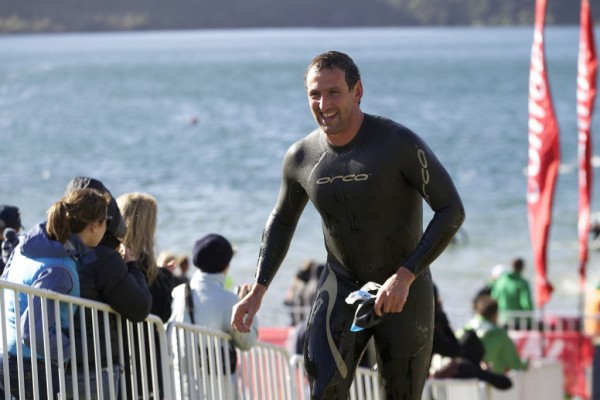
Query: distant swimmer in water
x=367, y=176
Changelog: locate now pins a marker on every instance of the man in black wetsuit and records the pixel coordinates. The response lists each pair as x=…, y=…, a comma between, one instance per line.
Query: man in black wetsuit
x=367, y=177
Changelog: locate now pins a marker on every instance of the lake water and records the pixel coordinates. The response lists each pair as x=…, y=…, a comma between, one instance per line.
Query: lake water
x=118, y=106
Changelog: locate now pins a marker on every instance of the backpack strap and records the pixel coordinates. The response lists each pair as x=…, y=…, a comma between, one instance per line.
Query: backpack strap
x=189, y=301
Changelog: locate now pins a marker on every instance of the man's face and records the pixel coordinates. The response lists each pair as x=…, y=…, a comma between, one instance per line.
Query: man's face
x=332, y=103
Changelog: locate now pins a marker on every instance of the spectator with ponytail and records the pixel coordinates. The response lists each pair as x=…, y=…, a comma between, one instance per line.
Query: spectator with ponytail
x=114, y=278
x=47, y=257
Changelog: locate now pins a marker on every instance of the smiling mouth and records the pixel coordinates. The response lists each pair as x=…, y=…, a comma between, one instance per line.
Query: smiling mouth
x=328, y=116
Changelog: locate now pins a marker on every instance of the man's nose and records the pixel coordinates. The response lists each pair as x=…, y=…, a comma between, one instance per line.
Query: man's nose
x=323, y=102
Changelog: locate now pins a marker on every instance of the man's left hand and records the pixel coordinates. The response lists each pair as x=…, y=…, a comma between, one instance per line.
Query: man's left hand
x=392, y=295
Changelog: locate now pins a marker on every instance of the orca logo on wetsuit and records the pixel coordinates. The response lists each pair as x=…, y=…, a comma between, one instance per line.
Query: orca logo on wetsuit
x=343, y=178
x=424, y=173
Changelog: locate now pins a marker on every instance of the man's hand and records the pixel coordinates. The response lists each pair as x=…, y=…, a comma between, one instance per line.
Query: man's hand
x=244, y=311
x=393, y=293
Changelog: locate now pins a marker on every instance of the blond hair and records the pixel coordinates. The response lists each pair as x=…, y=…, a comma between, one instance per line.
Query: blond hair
x=140, y=211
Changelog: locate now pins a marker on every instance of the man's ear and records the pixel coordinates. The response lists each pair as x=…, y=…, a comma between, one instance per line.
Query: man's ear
x=358, y=91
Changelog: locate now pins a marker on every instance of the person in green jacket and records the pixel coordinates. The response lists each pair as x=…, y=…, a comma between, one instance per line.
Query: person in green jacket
x=500, y=353
x=513, y=294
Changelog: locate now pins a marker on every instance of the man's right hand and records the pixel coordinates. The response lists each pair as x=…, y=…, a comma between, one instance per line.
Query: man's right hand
x=244, y=311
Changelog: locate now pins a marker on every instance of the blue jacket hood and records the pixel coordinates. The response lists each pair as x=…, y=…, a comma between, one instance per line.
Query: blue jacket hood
x=36, y=243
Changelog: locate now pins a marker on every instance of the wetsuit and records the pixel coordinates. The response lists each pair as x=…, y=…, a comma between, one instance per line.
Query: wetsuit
x=369, y=194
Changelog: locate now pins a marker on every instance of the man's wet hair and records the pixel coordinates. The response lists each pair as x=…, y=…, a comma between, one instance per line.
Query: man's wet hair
x=335, y=59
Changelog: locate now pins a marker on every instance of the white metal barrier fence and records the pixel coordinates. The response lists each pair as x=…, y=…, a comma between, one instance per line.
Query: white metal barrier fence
x=456, y=389
x=118, y=359
x=365, y=385
x=265, y=372
x=262, y=372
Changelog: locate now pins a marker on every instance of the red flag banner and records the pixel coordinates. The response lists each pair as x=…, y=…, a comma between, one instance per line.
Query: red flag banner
x=544, y=156
x=587, y=66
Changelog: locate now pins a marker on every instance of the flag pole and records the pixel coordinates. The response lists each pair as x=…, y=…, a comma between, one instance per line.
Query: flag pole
x=587, y=66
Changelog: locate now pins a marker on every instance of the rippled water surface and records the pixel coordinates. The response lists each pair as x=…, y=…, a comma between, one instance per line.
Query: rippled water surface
x=118, y=107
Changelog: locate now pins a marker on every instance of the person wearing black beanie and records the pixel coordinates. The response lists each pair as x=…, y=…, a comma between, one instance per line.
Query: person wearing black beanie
x=212, y=253
x=205, y=301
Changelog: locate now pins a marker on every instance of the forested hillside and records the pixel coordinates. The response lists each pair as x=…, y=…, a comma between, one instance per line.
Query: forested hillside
x=100, y=15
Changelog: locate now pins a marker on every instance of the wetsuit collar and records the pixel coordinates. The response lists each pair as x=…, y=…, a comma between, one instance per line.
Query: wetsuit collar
x=351, y=145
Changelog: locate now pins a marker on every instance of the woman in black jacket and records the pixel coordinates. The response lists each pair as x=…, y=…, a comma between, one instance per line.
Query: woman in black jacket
x=114, y=279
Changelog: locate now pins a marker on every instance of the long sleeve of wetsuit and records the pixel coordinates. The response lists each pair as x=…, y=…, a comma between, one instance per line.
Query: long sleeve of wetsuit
x=432, y=180
x=281, y=224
